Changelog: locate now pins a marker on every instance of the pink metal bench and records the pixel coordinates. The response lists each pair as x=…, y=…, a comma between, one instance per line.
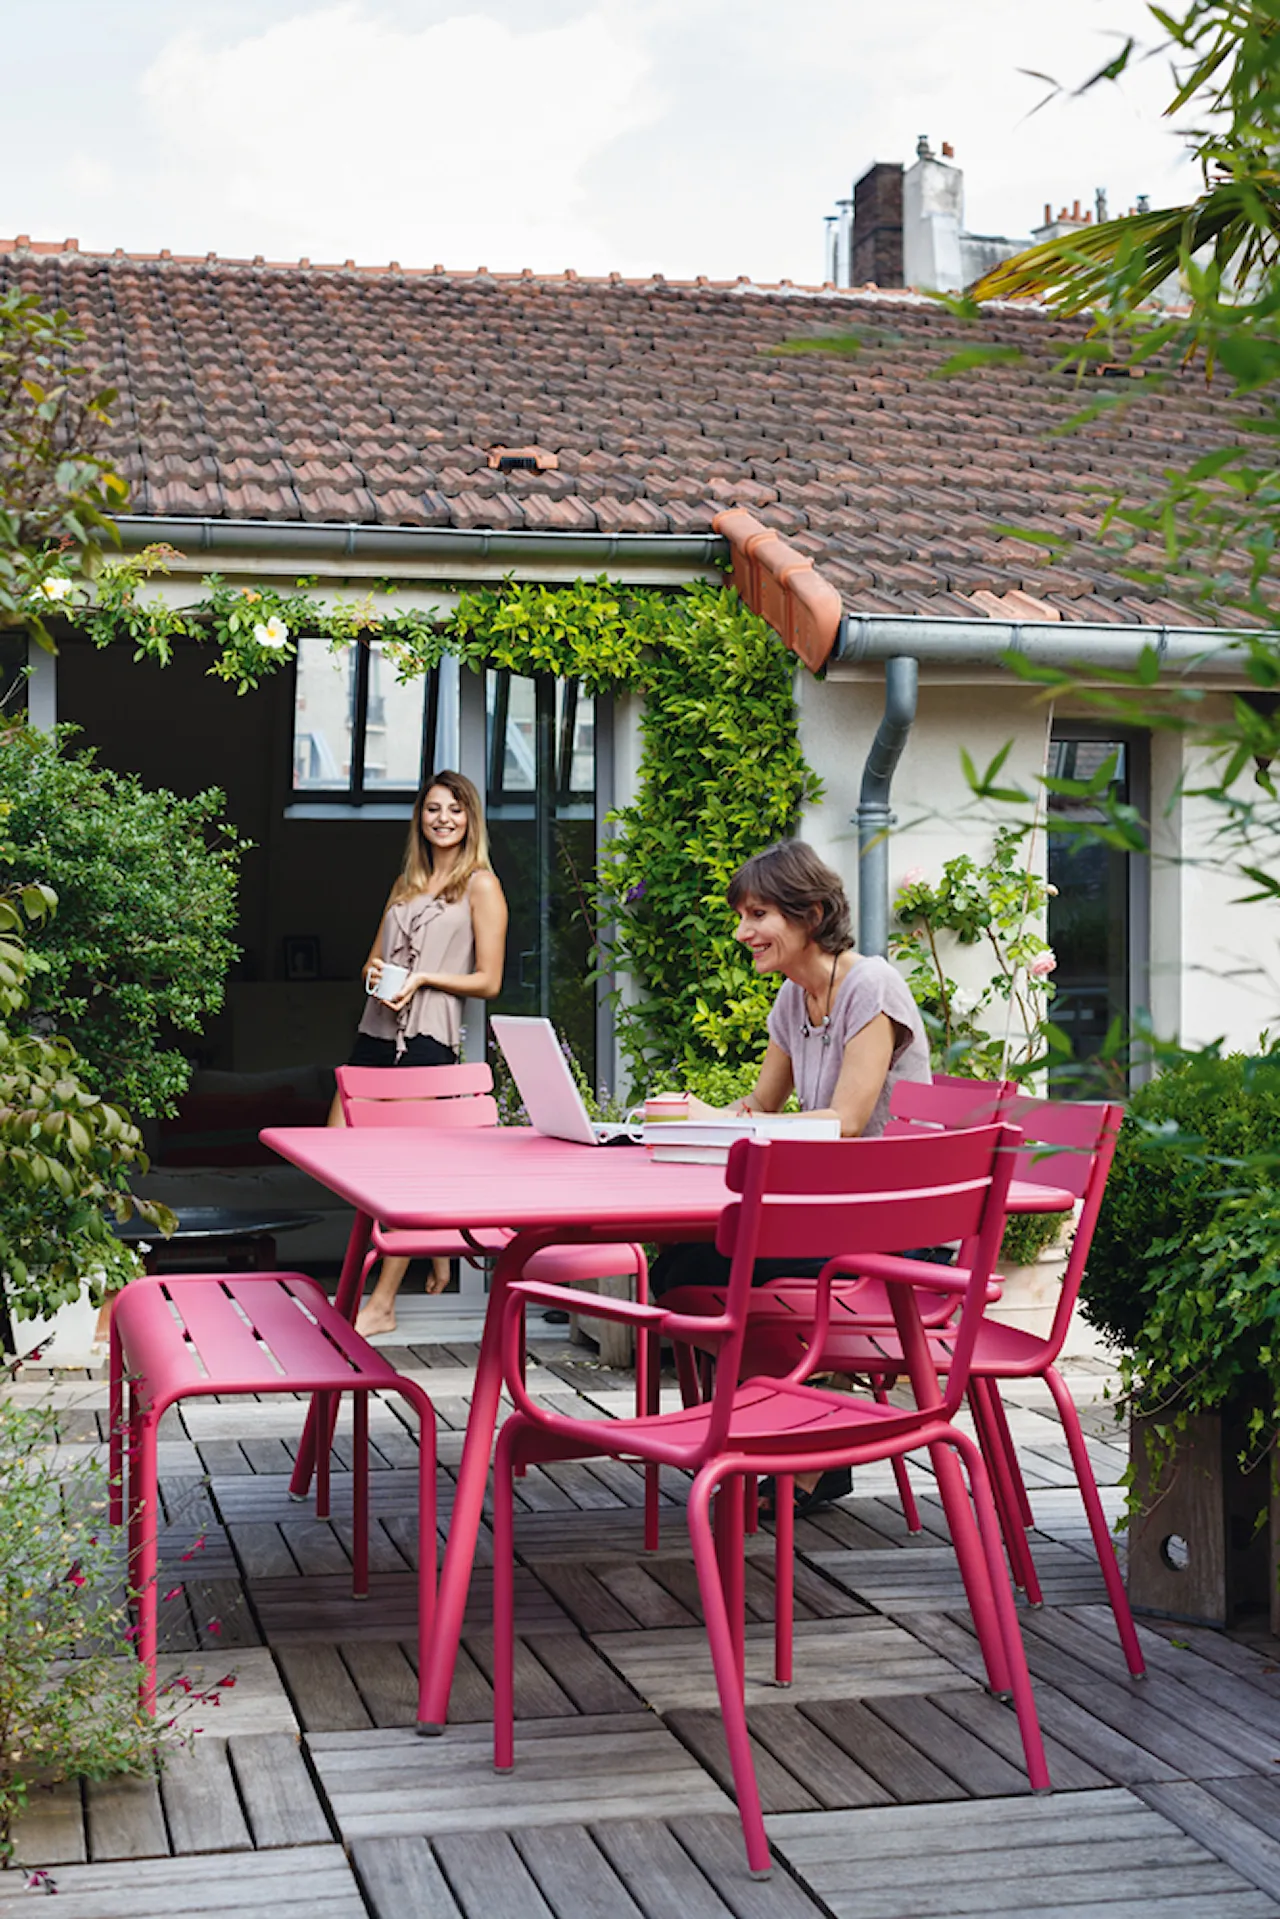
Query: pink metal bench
x=172, y=1337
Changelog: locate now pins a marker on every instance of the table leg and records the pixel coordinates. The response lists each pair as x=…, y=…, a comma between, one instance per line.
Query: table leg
x=468, y=1498
x=347, y=1301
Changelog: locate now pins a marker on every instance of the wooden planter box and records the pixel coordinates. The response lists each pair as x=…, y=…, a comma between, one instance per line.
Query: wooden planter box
x=1196, y=1551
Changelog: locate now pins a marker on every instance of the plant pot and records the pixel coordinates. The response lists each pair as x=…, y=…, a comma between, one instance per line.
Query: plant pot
x=66, y=1339
x=1196, y=1548
x=1029, y=1294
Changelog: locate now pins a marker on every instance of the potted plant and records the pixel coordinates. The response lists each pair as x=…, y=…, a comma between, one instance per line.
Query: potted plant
x=1184, y=1273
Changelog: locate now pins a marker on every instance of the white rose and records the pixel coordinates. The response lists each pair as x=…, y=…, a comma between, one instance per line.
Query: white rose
x=56, y=587
x=272, y=632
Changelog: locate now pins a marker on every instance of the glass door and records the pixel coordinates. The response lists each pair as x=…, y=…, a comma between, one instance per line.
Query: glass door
x=540, y=764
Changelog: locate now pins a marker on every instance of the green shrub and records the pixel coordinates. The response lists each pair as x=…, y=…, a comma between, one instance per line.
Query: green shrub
x=146, y=887
x=1195, y=1142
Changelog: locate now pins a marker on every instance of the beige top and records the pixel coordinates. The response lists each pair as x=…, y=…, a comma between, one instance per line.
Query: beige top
x=427, y=935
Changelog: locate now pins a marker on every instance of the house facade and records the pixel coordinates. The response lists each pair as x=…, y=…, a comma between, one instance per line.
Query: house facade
x=403, y=435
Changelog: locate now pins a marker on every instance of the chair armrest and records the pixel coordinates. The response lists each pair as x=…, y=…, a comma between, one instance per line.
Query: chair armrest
x=595, y=1305
x=892, y=1268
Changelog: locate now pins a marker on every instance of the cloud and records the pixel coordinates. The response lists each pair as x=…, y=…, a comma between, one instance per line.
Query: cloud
x=337, y=133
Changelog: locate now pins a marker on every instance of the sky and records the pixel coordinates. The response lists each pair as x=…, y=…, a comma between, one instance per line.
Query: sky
x=672, y=136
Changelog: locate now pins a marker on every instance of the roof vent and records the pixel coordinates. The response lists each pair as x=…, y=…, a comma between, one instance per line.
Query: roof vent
x=522, y=459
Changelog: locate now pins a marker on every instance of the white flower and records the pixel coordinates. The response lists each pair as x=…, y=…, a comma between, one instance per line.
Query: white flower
x=55, y=587
x=272, y=632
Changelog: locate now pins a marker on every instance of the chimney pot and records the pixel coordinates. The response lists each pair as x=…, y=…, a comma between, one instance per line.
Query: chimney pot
x=948, y=151
x=22, y=240
x=1048, y=214
x=71, y=246
x=1075, y=209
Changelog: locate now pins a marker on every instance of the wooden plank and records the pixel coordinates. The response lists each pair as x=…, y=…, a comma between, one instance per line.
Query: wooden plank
x=1244, y=1696
x=823, y=1768
x=221, y=1613
x=1257, y=1799
x=646, y=1855
x=996, y=1724
x=970, y=1761
x=648, y=1602
x=1226, y=1831
x=124, y=1818
x=703, y=1733
x=323, y=1694
x=574, y=1875
x=50, y=1831
x=279, y=1795
x=260, y=1548
x=288, y=1884
x=537, y=1695
x=715, y=1842
x=200, y=1801
x=588, y=1603
x=384, y=1679
x=582, y=1674
x=489, y=1878
x=873, y=1745
x=400, y=1878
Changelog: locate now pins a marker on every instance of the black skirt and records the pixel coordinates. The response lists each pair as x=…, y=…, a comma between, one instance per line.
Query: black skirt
x=421, y=1050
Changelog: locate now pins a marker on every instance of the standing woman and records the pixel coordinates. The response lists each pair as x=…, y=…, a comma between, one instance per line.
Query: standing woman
x=446, y=924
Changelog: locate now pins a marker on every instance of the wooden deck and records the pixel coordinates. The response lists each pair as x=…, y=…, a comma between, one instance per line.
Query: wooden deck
x=892, y=1782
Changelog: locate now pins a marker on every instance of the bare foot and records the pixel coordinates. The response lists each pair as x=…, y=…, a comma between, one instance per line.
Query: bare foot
x=438, y=1277
x=374, y=1319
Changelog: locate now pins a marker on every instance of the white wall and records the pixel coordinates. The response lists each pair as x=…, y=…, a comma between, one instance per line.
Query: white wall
x=1215, y=964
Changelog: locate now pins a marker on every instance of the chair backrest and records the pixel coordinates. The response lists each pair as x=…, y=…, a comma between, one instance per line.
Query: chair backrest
x=818, y=1198
x=948, y=1100
x=1069, y=1144
x=423, y=1096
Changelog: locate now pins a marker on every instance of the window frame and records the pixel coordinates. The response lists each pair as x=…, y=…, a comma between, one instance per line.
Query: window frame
x=358, y=798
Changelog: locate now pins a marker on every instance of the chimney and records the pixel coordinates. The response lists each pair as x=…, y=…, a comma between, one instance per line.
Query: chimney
x=875, y=256
x=932, y=222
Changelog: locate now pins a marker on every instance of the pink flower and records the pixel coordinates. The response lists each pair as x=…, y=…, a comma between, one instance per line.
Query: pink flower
x=172, y=1593
x=1042, y=965
x=912, y=877
x=214, y=1626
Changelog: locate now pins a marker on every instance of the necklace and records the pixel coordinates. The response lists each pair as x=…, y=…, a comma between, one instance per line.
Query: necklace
x=822, y=1028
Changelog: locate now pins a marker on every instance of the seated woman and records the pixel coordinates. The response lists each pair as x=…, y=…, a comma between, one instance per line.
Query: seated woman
x=842, y=1031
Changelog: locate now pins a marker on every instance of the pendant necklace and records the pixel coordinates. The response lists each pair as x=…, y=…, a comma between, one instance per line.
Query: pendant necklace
x=823, y=1030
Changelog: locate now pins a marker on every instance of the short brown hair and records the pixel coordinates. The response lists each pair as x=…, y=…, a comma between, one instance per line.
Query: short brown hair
x=805, y=890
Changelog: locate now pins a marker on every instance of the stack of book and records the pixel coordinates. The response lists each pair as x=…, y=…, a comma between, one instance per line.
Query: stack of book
x=707, y=1141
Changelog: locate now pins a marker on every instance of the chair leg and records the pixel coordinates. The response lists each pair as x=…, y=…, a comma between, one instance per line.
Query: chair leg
x=426, y=1538
x=729, y=1553
x=326, y=1419
x=1004, y=1492
x=115, y=1433
x=751, y=1505
x=1002, y=1598
x=724, y=1659
x=784, y=1576
x=144, y=1489
x=360, y=1495
x=968, y=1546
x=1011, y=1454
x=1102, y=1541
x=504, y=1610
x=901, y=1478
x=686, y=1375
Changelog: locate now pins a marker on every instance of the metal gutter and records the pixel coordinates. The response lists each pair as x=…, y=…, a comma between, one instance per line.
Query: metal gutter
x=424, y=547
x=865, y=637
x=874, y=816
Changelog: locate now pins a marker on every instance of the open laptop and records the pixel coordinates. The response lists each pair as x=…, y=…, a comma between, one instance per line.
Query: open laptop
x=545, y=1084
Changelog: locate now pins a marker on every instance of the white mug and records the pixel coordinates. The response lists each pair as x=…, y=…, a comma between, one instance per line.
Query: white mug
x=390, y=982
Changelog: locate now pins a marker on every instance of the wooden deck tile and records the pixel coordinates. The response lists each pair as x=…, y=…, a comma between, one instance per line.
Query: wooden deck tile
x=279, y=1795
x=298, y=1612
x=1227, y=1830
x=716, y=1844
x=567, y=1771
x=646, y=1855
x=50, y=1831
x=293, y=1884
x=200, y=1802
x=928, y=1577
x=834, y=1659
x=1103, y=1852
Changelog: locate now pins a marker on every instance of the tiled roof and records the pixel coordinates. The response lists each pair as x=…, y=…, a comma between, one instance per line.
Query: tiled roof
x=299, y=393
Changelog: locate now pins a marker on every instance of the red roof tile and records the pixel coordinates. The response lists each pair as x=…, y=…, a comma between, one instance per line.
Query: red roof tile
x=287, y=392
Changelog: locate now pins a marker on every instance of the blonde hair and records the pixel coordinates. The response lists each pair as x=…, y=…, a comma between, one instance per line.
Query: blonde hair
x=418, y=865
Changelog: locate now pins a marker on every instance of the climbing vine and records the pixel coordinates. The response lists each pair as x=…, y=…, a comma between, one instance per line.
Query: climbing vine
x=721, y=771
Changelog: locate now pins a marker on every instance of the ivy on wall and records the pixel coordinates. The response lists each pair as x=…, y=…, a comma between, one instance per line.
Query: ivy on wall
x=721, y=771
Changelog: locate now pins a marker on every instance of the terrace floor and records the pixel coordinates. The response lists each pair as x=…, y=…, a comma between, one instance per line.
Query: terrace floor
x=892, y=1782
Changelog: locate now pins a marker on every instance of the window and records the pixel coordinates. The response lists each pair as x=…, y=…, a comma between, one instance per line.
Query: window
x=1097, y=921
x=359, y=736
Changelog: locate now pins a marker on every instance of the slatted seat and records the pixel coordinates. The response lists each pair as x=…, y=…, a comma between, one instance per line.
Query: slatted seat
x=175, y=1337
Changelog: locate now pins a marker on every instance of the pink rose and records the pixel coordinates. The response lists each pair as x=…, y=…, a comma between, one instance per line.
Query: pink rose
x=912, y=877
x=1042, y=965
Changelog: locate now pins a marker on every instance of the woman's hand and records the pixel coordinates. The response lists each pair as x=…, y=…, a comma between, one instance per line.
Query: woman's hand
x=412, y=985
x=372, y=974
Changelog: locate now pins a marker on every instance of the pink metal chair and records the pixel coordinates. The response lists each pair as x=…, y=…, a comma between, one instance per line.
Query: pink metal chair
x=1071, y=1145
x=796, y=1199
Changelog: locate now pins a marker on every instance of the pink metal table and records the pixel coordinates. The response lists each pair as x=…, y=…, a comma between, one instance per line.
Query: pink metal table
x=550, y=1191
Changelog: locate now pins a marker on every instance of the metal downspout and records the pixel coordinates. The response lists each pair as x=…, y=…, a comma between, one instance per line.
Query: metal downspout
x=874, y=816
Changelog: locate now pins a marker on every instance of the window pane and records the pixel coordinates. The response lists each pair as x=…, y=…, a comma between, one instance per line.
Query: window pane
x=323, y=716
x=1089, y=915
x=514, y=763
x=393, y=731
